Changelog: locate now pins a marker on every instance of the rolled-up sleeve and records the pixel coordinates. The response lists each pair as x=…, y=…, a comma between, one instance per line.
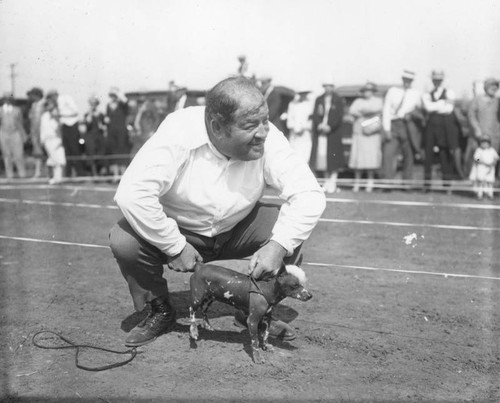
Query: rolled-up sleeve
x=149, y=176
x=304, y=200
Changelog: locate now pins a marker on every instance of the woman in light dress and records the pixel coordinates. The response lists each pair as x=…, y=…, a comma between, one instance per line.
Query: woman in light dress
x=366, y=152
x=299, y=123
x=50, y=137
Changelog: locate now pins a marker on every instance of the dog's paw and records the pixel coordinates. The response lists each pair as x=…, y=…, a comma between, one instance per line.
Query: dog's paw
x=268, y=348
x=193, y=331
x=257, y=357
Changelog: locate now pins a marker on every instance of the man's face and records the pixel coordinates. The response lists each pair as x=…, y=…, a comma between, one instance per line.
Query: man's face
x=328, y=88
x=244, y=139
x=407, y=82
x=437, y=82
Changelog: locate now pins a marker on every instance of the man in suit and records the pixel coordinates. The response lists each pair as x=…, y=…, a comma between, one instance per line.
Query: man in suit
x=402, y=106
x=12, y=137
x=327, y=156
x=277, y=99
x=442, y=130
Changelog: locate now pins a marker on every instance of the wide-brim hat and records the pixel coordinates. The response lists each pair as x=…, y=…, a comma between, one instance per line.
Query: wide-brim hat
x=491, y=81
x=35, y=91
x=408, y=75
x=437, y=75
x=369, y=86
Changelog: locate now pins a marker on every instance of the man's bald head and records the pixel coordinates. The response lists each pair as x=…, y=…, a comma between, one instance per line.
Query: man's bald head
x=224, y=99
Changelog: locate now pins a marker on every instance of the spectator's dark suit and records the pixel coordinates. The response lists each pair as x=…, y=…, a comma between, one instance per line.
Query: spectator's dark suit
x=335, y=153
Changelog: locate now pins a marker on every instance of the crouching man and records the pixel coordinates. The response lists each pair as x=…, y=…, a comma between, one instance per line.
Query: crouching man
x=192, y=195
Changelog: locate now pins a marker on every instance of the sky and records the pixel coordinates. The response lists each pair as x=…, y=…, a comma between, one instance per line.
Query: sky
x=83, y=47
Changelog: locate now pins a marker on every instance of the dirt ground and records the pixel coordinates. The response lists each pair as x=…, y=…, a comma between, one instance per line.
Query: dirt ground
x=389, y=321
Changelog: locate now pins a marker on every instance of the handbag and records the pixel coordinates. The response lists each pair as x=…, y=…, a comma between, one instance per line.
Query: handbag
x=371, y=126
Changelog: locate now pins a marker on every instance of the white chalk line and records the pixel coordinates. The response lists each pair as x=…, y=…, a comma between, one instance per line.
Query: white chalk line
x=50, y=241
x=430, y=273
x=406, y=203
x=325, y=220
x=405, y=224
x=59, y=204
x=479, y=206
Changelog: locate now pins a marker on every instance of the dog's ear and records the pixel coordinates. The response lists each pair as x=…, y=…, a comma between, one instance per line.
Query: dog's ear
x=282, y=269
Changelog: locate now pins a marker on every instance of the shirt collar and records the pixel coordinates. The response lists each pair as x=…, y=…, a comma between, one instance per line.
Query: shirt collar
x=217, y=153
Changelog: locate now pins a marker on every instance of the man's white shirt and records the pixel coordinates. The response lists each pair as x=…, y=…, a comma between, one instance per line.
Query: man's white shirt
x=178, y=178
x=67, y=109
x=412, y=101
x=441, y=106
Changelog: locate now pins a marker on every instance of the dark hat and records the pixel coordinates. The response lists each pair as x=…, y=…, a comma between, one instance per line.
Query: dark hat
x=490, y=81
x=36, y=91
x=369, y=86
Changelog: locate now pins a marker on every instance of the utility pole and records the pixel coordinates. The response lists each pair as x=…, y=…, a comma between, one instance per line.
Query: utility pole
x=13, y=78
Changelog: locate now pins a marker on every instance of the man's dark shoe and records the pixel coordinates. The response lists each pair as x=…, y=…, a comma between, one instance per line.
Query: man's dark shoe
x=277, y=329
x=159, y=321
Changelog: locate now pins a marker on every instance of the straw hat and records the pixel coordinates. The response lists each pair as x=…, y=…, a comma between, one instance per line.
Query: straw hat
x=408, y=74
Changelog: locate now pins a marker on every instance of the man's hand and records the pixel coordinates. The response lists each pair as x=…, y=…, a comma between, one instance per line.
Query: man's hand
x=324, y=128
x=267, y=260
x=186, y=260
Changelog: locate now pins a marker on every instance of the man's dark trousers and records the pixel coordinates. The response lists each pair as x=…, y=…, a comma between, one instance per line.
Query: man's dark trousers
x=141, y=263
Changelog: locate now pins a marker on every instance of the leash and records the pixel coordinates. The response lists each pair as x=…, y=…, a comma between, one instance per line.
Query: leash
x=256, y=285
x=71, y=344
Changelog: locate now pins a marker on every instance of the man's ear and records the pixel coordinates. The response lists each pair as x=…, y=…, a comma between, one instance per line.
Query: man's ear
x=216, y=127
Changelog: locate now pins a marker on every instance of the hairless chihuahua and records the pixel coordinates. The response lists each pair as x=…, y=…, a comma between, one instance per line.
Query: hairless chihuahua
x=255, y=297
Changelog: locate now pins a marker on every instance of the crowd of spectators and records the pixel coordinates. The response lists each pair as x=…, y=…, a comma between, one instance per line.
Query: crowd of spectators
x=388, y=131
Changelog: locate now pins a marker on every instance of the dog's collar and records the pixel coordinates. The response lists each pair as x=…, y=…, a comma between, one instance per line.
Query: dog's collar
x=254, y=288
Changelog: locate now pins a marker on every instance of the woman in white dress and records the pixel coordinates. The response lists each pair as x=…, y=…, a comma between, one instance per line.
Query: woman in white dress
x=366, y=152
x=300, y=125
x=50, y=137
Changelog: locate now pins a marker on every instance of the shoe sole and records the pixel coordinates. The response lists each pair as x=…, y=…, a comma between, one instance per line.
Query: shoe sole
x=144, y=342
